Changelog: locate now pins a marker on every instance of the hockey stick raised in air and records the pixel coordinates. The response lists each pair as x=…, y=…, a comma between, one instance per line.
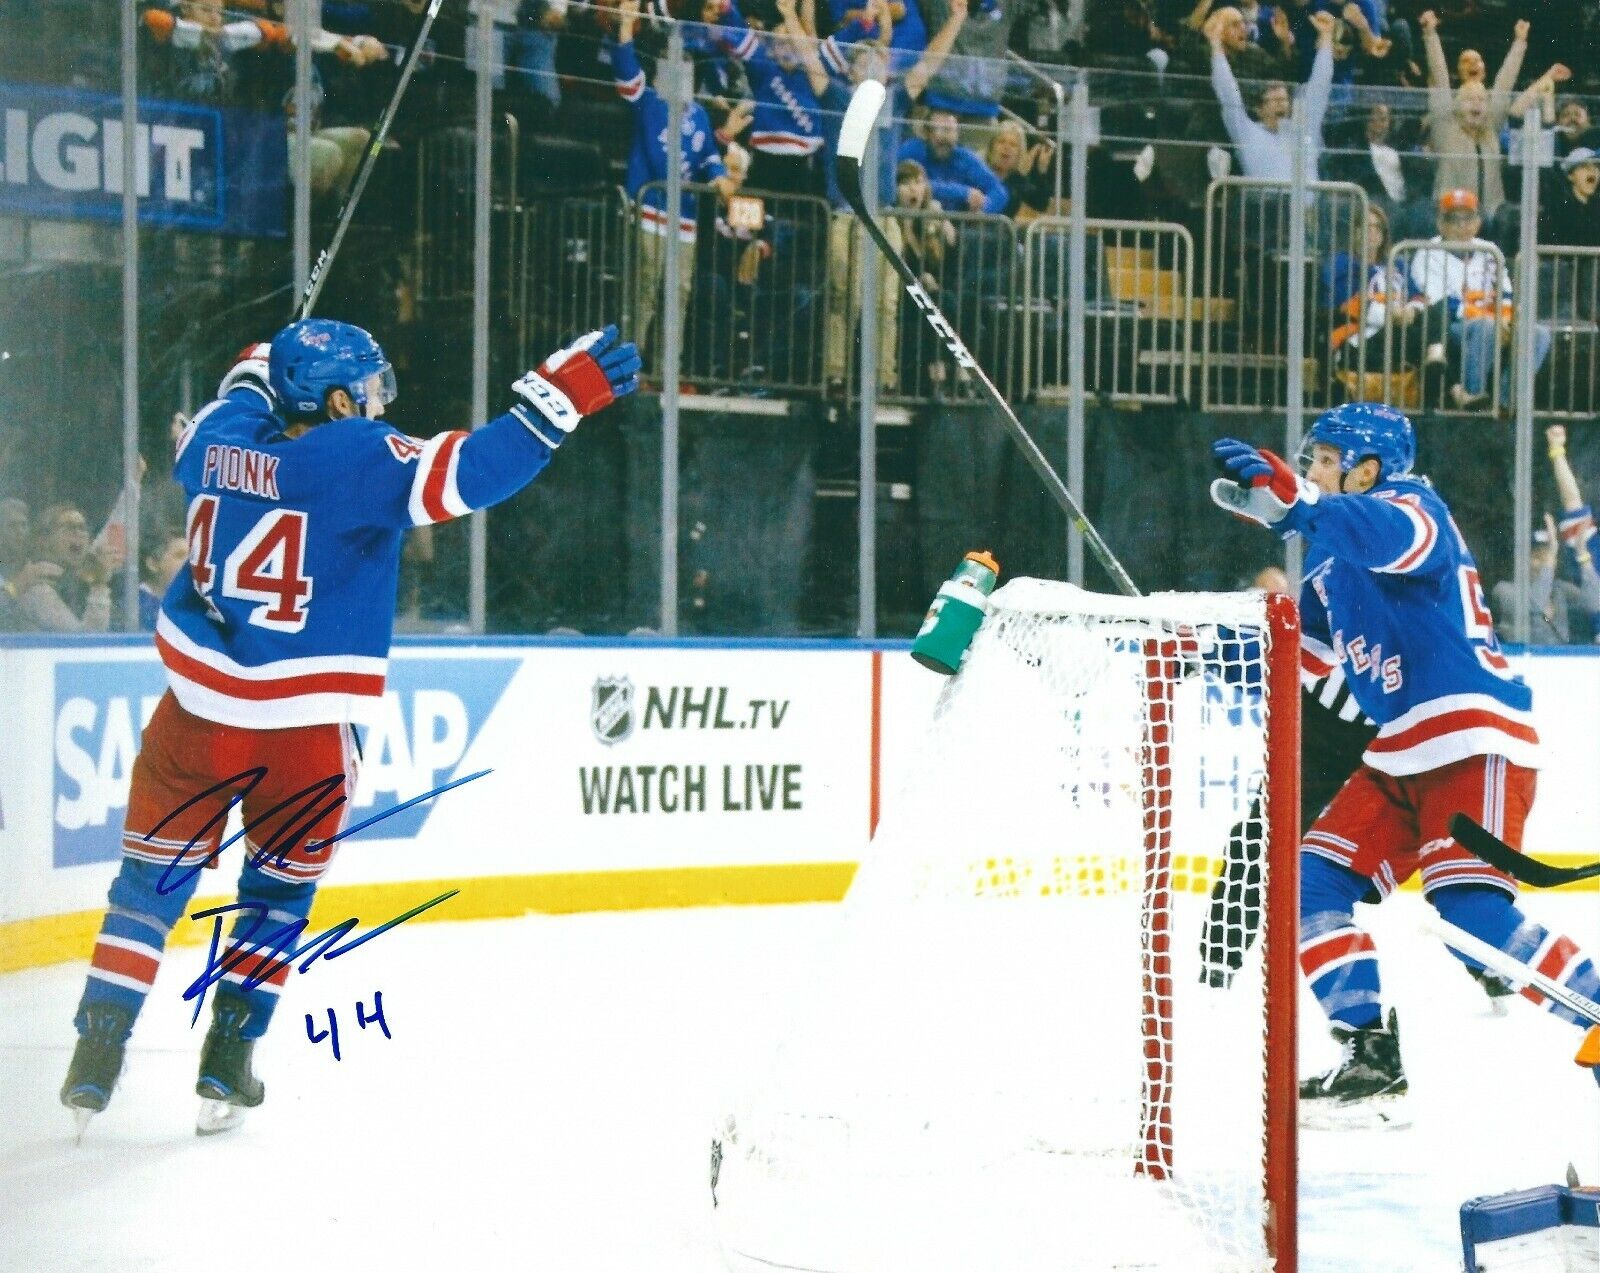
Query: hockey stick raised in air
x=380, y=133
x=1508, y=966
x=1519, y=866
x=859, y=120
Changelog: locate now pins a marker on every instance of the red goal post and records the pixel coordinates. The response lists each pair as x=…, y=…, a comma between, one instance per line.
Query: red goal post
x=1009, y=1057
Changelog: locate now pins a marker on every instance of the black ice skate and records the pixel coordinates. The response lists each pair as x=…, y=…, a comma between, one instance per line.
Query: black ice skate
x=1367, y=1087
x=96, y=1062
x=1495, y=986
x=226, y=1084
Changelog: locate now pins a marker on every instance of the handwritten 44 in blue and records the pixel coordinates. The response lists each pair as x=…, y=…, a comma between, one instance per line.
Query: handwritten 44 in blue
x=362, y=1019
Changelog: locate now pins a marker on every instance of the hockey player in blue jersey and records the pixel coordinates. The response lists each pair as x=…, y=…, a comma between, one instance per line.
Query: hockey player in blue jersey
x=1392, y=597
x=273, y=639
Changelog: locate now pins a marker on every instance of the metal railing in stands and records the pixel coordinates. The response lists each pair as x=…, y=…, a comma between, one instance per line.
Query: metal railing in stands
x=1244, y=358
x=1426, y=359
x=970, y=264
x=1568, y=307
x=1139, y=319
x=446, y=159
x=756, y=278
x=569, y=268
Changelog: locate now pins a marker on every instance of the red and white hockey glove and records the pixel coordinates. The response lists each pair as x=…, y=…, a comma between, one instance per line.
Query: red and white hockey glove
x=1258, y=486
x=587, y=376
x=251, y=366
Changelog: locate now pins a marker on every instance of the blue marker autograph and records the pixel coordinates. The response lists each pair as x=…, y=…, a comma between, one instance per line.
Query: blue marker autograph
x=276, y=948
x=305, y=809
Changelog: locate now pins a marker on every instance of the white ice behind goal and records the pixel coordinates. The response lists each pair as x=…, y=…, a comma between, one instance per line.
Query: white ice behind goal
x=1007, y=1059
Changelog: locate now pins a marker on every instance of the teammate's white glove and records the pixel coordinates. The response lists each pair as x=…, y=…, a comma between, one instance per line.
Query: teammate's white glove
x=251, y=366
x=1258, y=486
x=586, y=376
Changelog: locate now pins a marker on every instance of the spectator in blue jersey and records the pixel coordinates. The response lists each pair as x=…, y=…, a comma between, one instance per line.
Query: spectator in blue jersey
x=1264, y=143
x=647, y=171
x=835, y=67
x=909, y=34
x=160, y=559
x=961, y=181
x=786, y=135
x=1370, y=305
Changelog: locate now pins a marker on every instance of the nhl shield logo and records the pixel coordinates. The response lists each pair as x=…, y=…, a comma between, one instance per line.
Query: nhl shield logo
x=611, y=709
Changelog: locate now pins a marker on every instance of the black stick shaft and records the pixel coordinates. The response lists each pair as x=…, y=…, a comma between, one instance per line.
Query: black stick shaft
x=1519, y=866
x=849, y=173
x=380, y=134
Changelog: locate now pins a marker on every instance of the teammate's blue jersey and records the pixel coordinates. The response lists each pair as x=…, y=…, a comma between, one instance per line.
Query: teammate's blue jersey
x=647, y=161
x=286, y=610
x=1392, y=596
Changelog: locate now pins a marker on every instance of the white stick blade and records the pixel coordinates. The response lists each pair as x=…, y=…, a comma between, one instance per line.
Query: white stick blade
x=862, y=114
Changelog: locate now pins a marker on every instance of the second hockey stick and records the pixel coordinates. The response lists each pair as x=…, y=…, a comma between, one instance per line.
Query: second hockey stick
x=1508, y=966
x=1519, y=866
x=854, y=134
x=380, y=134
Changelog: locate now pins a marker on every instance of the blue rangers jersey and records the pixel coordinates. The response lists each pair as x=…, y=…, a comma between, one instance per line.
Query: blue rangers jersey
x=286, y=610
x=1392, y=596
x=647, y=161
x=787, y=120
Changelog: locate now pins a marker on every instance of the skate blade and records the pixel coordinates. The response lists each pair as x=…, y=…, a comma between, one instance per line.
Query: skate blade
x=1376, y=1113
x=216, y=1117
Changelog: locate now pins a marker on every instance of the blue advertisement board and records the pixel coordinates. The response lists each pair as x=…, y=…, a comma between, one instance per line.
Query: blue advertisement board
x=197, y=167
x=415, y=741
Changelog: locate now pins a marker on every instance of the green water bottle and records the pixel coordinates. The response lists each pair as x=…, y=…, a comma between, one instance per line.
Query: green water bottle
x=955, y=614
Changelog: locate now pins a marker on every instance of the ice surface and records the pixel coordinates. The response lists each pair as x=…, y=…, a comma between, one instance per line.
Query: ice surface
x=548, y=1096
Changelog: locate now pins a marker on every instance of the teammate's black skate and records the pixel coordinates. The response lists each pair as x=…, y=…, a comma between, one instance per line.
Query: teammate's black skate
x=96, y=1062
x=1495, y=986
x=227, y=1084
x=1367, y=1086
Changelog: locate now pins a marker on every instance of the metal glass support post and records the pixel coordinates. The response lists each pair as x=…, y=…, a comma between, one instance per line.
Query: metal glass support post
x=677, y=93
x=130, y=312
x=303, y=27
x=483, y=193
x=1527, y=304
x=867, y=473
x=1054, y=85
x=1081, y=136
x=1295, y=324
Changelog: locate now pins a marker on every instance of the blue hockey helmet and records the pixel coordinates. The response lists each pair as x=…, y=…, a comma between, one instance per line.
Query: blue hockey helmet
x=1362, y=430
x=316, y=355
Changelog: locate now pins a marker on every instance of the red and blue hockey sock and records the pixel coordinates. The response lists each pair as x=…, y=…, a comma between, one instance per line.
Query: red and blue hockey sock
x=133, y=938
x=261, y=936
x=1339, y=959
x=1491, y=915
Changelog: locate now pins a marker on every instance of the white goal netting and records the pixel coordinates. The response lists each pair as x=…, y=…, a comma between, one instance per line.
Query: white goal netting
x=1007, y=1059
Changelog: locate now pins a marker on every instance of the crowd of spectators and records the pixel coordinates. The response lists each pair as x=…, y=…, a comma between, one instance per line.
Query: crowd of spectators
x=1418, y=106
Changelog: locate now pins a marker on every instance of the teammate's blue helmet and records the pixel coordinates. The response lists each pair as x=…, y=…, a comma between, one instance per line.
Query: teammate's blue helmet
x=1366, y=429
x=316, y=355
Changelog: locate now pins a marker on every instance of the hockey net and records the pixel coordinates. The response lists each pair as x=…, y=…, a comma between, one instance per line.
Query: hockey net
x=1011, y=1060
